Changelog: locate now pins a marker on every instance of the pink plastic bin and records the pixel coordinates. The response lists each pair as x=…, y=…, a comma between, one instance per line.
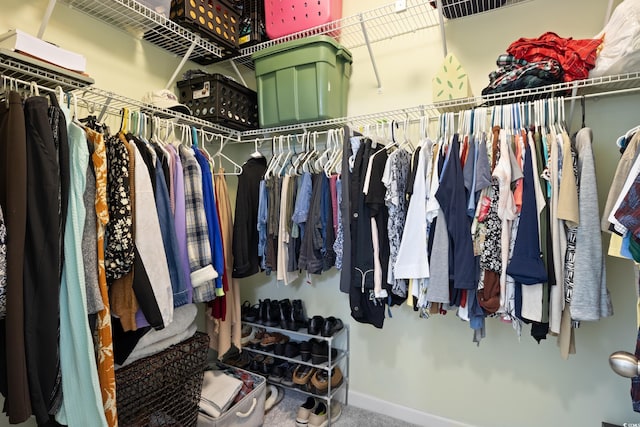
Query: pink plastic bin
x=284, y=17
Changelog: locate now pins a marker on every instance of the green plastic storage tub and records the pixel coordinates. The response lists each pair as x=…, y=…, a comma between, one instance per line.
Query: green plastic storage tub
x=302, y=80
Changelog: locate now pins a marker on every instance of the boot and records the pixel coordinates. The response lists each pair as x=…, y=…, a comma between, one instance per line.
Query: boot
x=263, y=311
x=286, y=314
x=298, y=316
x=273, y=314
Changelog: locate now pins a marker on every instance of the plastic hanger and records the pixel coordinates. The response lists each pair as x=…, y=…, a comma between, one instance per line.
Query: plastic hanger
x=206, y=138
x=307, y=165
x=286, y=158
x=274, y=157
x=256, y=153
x=125, y=119
x=336, y=160
x=323, y=157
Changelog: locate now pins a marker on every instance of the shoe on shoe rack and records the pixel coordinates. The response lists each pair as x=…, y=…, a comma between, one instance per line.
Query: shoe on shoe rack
x=315, y=325
x=248, y=332
x=273, y=314
x=298, y=315
x=320, y=352
x=331, y=326
x=278, y=372
x=255, y=341
x=279, y=348
x=274, y=396
x=286, y=313
x=266, y=367
x=263, y=309
x=271, y=338
x=249, y=313
x=292, y=349
x=320, y=380
x=305, y=350
x=287, y=376
x=302, y=374
x=256, y=363
x=305, y=410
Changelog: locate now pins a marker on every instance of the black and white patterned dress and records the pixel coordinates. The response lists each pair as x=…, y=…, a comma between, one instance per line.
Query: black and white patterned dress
x=395, y=179
x=119, y=251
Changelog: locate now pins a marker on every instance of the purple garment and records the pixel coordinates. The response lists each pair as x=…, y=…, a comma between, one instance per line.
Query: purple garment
x=180, y=220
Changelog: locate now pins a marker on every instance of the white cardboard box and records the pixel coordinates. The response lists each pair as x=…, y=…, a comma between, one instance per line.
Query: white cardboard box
x=20, y=41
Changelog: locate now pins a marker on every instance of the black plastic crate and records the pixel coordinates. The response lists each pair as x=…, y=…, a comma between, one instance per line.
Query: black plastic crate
x=212, y=19
x=220, y=100
x=252, y=27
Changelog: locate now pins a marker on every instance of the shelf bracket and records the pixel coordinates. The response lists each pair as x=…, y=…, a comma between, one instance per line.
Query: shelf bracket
x=373, y=60
x=104, y=110
x=183, y=61
x=574, y=93
x=46, y=17
x=442, y=32
x=235, y=68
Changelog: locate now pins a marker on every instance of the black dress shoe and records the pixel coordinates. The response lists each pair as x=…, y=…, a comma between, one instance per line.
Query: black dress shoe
x=315, y=325
x=305, y=350
x=286, y=312
x=298, y=316
x=331, y=326
x=292, y=349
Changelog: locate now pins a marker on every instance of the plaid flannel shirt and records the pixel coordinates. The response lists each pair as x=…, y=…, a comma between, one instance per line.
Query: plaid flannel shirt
x=198, y=245
x=576, y=57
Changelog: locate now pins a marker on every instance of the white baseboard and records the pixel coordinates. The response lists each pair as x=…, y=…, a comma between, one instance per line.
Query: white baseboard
x=413, y=416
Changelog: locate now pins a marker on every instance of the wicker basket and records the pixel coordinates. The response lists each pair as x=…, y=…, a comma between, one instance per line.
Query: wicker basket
x=163, y=389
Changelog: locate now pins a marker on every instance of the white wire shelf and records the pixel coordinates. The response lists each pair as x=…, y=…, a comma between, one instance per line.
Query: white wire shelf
x=382, y=23
x=602, y=86
x=142, y=22
x=97, y=99
x=16, y=65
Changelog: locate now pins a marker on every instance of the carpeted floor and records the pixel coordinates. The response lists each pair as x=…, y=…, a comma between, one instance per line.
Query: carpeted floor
x=284, y=415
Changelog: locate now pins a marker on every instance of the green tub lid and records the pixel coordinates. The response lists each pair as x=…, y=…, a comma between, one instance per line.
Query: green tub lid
x=306, y=41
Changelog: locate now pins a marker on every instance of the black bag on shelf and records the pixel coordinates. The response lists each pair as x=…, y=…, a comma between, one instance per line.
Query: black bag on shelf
x=458, y=8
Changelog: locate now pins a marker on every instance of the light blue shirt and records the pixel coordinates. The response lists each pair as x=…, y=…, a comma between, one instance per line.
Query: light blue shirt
x=81, y=397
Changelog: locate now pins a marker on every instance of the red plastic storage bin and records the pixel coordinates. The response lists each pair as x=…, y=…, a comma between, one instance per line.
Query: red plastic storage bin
x=285, y=17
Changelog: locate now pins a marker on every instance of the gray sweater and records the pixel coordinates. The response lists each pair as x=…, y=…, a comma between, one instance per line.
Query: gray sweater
x=591, y=299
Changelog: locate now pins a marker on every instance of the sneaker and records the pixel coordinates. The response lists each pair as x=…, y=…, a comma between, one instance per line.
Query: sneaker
x=319, y=417
x=305, y=410
x=322, y=420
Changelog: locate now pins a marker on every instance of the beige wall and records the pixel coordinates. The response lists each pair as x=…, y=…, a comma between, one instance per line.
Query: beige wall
x=429, y=365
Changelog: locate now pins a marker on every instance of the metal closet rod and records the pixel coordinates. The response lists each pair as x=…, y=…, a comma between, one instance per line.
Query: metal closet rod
x=9, y=82
x=427, y=111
